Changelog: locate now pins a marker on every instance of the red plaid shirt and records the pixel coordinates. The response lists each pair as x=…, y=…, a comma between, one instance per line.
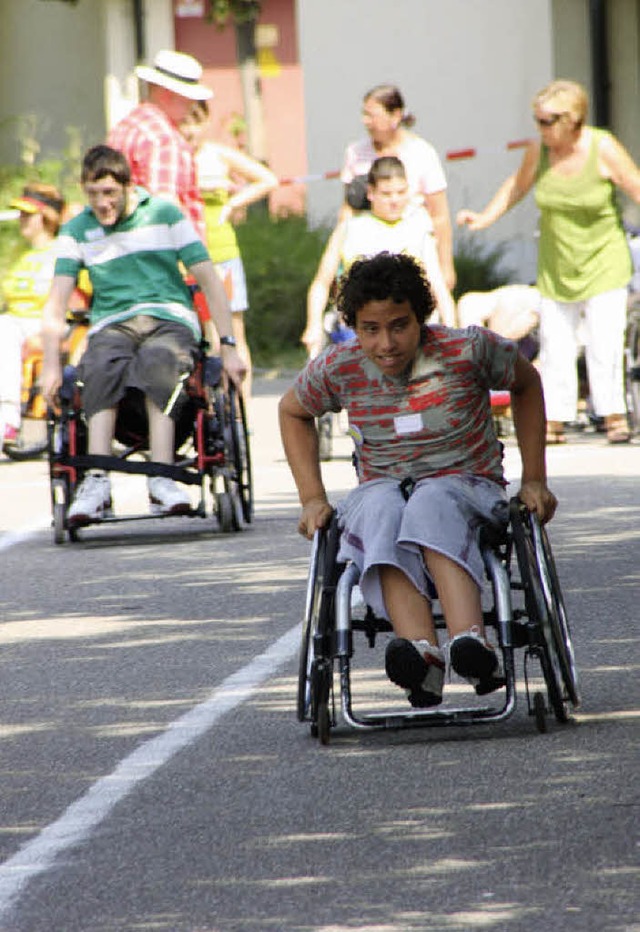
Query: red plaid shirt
x=161, y=159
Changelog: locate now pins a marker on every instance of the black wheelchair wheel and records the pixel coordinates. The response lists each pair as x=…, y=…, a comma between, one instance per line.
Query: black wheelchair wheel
x=243, y=459
x=546, y=611
x=238, y=480
x=540, y=712
x=315, y=672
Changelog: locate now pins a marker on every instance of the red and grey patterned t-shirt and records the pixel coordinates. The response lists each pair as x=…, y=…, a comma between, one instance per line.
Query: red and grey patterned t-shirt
x=433, y=421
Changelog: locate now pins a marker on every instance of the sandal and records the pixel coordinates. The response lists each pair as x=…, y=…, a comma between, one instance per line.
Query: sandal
x=555, y=433
x=617, y=429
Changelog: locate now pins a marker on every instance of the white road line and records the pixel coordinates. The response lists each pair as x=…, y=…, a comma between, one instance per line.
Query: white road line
x=77, y=822
x=11, y=538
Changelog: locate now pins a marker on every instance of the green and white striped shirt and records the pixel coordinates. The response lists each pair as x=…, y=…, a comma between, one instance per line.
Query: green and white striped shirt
x=134, y=266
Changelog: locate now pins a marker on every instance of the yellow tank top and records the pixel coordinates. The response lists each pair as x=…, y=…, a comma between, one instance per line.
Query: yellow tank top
x=213, y=179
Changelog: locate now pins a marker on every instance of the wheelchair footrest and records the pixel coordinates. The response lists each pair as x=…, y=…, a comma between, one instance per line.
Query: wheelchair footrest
x=117, y=464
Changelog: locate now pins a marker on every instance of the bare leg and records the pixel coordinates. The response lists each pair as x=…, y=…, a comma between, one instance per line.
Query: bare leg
x=458, y=593
x=237, y=324
x=161, y=434
x=101, y=430
x=409, y=611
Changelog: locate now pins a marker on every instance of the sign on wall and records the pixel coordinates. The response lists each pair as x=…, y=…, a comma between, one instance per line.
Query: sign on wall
x=186, y=8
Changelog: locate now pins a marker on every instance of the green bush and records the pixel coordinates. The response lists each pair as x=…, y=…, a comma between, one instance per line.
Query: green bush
x=479, y=267
x=280, y=258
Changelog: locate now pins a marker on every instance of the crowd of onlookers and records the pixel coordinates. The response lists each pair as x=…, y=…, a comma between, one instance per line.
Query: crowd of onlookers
x=395, y=201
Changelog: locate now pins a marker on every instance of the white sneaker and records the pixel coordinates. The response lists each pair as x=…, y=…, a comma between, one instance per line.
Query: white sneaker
x=167, y=497
x=92, y=500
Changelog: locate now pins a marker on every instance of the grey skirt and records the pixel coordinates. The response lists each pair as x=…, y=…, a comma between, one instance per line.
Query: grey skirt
x=444, y=514
x=152, y=355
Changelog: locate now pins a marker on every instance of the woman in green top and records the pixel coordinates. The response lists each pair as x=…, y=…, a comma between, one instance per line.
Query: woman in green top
x=584, y=265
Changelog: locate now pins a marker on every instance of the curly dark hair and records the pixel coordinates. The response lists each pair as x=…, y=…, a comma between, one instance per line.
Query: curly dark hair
x=101, y=161
x=399, y=277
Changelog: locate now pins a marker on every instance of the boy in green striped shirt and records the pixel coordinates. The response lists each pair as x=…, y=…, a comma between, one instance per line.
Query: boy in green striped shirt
x=144, y=330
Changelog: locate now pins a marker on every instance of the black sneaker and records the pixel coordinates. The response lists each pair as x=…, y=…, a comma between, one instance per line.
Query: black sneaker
x=473, y=659
x=420, y=674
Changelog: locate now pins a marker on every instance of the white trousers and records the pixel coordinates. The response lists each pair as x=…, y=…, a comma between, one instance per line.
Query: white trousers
x=13, y=332
x=600, y=322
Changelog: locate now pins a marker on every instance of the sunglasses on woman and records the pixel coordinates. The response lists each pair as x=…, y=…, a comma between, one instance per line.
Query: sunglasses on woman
x=548, y=121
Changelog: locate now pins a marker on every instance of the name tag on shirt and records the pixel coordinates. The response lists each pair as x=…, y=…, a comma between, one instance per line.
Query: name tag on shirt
x=408, y=424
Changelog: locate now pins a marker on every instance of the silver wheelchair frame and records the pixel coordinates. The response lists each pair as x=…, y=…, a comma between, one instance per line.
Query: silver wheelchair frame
x=528, y=613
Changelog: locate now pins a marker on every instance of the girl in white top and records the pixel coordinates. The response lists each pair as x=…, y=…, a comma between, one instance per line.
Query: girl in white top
x=389, y=133
x=392, y=225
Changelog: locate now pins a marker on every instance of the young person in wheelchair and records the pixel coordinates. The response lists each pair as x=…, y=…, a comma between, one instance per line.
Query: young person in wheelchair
x=429, y=465
x=144, y=331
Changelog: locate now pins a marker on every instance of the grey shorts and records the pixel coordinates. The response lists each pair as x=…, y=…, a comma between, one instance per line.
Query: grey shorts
x=444, y=514
x=152, y=355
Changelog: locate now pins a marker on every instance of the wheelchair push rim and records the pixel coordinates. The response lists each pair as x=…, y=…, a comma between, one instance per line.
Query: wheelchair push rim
x=546, y=611
x=237, y=477
x=315, y=675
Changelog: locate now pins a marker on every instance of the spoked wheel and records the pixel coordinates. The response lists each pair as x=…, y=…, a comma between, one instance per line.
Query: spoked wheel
x=315, y=675
x=546, y=612
x=31, y=443
x=325, y=437
x=238, y=478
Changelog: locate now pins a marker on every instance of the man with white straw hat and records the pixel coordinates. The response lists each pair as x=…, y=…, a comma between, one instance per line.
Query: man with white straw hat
x=161, y=160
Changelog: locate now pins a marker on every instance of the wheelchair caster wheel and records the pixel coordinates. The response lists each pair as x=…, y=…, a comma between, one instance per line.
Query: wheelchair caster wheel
x=324, y=723
x=58, y=524
x=59, y=499
x=540, y=712
x=227, y=515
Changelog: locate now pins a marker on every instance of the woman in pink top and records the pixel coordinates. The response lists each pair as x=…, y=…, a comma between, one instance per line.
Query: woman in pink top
x=389, y=133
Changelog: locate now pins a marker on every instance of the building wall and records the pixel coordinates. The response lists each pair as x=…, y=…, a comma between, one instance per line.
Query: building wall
x=468, y=70
x=51, y=66
x=572, y=59
x=280, y=77
x=122, y=90
x=624, y=69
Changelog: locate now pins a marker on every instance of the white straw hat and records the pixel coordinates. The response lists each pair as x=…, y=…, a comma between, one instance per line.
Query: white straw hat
x=177, y=72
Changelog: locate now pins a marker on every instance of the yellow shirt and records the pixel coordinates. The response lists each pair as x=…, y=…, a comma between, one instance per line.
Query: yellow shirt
x=26, y=287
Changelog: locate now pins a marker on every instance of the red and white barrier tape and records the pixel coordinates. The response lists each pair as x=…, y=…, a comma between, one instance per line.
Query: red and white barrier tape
x=453, y=155
x=303, y=179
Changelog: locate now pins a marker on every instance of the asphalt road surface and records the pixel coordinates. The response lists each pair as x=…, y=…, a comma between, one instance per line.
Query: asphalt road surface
x=153, y=775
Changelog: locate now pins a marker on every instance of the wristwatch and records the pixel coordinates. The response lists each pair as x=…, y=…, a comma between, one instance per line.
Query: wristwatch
x=228, y=341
